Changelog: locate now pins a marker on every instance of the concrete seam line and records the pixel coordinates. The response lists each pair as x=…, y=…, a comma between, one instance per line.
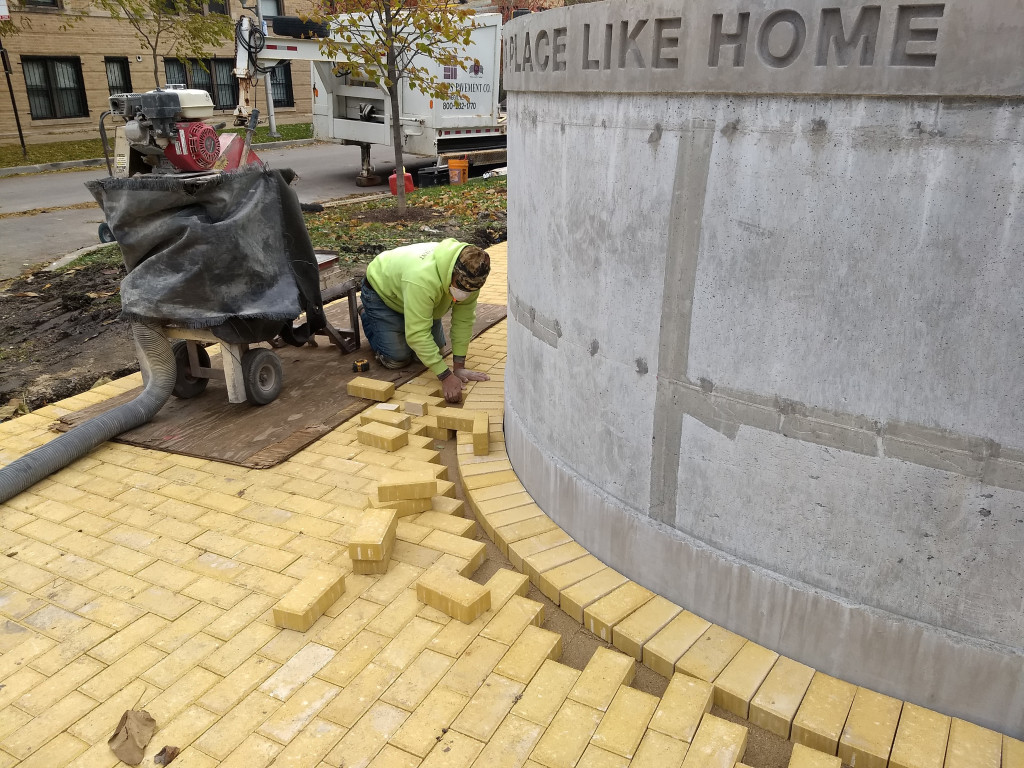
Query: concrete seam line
x=689, y=190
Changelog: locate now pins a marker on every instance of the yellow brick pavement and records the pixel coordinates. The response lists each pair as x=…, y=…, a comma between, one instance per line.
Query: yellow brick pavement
x=146, y=579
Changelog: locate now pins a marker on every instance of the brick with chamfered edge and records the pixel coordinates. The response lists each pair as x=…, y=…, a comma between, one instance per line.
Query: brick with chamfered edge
x=404, y=507
x=481, y=436
x=528, y=547
x=601, y=678
x=511, y=619
x=969, y=745
x=445, y=505
x=504, y=584
x=546, y=692
x=445, y=488
x=1013, y=753
x=459, y=419
x=920, y=739
x=375, y=536
x=710, y=654
x=576, y=598
x=657, y=750
x=459, y=546
x=397, y=486
x=566, y=738
x=742, y=677
x=371, y=389
x=632, y=633
x=717, y=742
x=431, y=429
x=505, y=535
x=805, y=757
x=820, y=719
x=528, y=652
x=388, y=417
x=625, y=722
x=775, y=704
x=307, y=600
x=602, y=615
x=382, y=436
x=458, y=526
x=685, y=702
x=539, y=562
x=870, y=728
x=421, y=405
x=552, y=583
x=453, y=594
x=371, y=567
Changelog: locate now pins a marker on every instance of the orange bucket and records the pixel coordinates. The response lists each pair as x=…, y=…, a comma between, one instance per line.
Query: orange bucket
x=458, y=171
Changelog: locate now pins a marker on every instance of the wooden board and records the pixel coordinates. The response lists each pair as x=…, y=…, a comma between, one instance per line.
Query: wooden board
x=312, y=403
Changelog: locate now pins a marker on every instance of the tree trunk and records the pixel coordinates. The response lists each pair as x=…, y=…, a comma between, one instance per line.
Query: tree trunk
x=156, y=70
x=396, y=129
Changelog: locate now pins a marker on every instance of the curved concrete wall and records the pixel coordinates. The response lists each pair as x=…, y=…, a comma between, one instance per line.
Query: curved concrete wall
x=766, y=351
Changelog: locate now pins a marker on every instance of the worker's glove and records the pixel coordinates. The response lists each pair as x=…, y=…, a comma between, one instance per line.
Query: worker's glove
x=467, y=375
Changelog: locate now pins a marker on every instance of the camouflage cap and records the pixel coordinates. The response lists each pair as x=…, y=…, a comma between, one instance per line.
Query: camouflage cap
x=471, y=268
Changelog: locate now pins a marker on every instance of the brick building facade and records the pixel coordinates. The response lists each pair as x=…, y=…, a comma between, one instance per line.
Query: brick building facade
x=62, y=79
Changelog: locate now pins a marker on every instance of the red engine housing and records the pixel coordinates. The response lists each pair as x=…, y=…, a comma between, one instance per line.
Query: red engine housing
x=194, y=147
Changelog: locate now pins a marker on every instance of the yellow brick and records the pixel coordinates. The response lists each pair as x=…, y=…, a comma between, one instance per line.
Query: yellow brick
x=505, y=583
x=1013, y=753
x=632, y=633
x=506, y=535
x=396, y=485
x=353, y=657
x=374, y=537
x=576, y=598
x=169, y=704
x=546, y=692
x=553, y=582
x=370, y=567
x=41, y=697
x=920, y=739
x=566, y=738
x=458, y=419
x=423, y=729
x=710, y=654
x=37, y=731
x=969, y=746
x=431, y=429
x=311, y=745
x=488, y=707
x=237, y=685
x=602, y=615
x=97, y=724
x=458, y=526
x=446, y=505
x=58, y=752
x=740, y=680
x=439, y=471
x=453, y=594
x=601, y=678
x=181, y=660
x=404, y=508
x=361, y=744
x=407, y=644
x=595, y=757
x=352, y=703
x=805, y=757
x=384, y=416
x=121, y=672
x=410, y=689
x=683, y=705
x=473, y=666
x=468, y=549
x=510, y=621
x=539, y=562
x=429, y=388
x=528, y=652
x=717, y=742
x=625, y=722
x=392, y=757
x=421, y=405
x=371, y=389
x=775, y=704
x=511, y=744
x=453, y=751
x=382, y=436
x=131, y=637
x=486, y=481
x=481, y=436
x=870, y=728
x=307, y=601
x=410, y=532
x=657, y=750
x=819, y=721
x=255, y=752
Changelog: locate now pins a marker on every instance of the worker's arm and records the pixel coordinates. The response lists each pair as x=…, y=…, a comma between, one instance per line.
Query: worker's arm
x=463, y=317
x=419, y=320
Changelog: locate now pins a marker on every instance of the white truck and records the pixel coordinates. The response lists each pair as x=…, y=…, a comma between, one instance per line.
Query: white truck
x=349, y=111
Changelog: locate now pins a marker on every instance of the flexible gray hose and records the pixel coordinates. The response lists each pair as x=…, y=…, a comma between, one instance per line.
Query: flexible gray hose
x=158, y=376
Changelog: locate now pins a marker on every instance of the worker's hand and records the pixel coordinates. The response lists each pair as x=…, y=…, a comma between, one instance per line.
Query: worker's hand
x=452, y=387
x=467, y=375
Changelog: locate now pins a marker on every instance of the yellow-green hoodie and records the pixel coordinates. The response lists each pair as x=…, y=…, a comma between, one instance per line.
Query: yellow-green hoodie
x=413, y=280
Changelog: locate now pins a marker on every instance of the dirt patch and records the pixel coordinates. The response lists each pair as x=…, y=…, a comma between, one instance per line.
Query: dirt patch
x=392, y=215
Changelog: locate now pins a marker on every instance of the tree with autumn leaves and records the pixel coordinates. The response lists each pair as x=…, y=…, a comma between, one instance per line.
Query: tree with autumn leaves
x=387, y=41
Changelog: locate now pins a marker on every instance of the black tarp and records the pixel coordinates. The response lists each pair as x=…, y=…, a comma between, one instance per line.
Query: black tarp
x=228, y=252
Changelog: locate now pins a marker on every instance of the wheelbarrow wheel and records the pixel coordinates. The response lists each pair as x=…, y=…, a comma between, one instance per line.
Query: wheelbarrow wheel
x=186, y=385
x=262, y=375
x=105, y=235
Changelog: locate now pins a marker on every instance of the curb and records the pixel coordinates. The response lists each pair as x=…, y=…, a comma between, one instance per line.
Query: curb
x=100, y=162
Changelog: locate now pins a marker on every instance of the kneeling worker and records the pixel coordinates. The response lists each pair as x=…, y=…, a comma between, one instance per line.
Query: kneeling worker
x=408, y=290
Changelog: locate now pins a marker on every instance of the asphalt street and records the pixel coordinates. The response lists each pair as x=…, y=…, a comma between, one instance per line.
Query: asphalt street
x=325, y=172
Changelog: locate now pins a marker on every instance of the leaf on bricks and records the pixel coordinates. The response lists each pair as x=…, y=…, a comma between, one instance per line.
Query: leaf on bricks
x=165, y=755
x=132, y=735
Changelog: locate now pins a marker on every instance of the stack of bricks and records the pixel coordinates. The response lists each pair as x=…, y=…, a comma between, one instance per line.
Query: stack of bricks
x=371, y=545
x=408, y=493
x=474, y=422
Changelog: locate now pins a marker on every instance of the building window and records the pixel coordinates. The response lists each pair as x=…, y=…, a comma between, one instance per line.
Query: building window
x=40, y=3
x=281, y=85
x=217, y=6
x=271, y=8
x=119, y=75
x=54, y=87
x=211, y=75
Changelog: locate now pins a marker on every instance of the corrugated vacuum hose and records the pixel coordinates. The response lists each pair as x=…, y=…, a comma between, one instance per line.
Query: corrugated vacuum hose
x=158, y=375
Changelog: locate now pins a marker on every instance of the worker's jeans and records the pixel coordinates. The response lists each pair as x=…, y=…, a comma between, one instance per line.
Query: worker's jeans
x=385, y=330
